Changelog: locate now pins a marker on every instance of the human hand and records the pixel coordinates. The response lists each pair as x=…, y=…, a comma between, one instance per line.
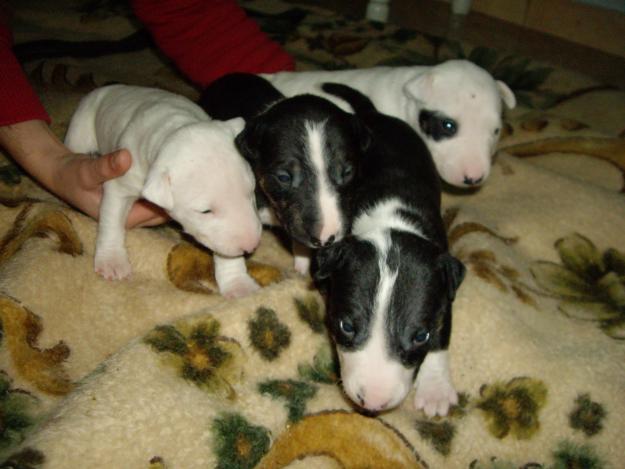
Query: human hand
x=75, y=178
x=79, y=179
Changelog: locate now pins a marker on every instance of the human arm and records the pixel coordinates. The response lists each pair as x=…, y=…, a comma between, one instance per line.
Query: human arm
x=75, y=178
x=207, y=39
x=27, y=138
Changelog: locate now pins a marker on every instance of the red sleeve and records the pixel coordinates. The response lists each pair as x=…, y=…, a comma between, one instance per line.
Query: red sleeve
x=18, y=100
x=209, y=38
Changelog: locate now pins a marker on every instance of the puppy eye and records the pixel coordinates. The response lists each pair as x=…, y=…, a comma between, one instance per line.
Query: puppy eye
x=208, y=210
x=347, y=328
x=420, y=338
x=497, y=130
x=283, y=176
x=449, y=127
x=346, y=173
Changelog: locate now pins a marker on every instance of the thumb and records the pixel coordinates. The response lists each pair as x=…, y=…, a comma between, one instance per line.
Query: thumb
x=107, y=167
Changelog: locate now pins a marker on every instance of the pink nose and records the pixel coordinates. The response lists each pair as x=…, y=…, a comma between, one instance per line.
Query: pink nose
x=250, y=244
x=373, y=399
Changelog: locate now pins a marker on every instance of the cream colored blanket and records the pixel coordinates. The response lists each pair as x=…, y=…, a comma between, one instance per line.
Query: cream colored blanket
x=159, y=371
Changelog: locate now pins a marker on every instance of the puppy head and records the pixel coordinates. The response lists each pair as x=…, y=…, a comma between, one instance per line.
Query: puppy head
x=456, y=108
x=304, y=151
x=200, y=179
x=389, y=304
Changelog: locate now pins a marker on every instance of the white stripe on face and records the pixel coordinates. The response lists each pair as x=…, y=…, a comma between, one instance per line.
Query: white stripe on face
x=328, y=203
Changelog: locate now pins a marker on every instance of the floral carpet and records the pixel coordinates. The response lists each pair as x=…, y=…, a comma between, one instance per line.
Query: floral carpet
x=159, y=371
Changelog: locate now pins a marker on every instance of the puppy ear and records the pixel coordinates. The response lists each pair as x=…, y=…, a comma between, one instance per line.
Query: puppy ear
x=248, y=141
x=420, y=86
x=453, y=273
x=326, y=260
x=236, y=125
x=506, y=94
x=362, y=132
x=157, y=188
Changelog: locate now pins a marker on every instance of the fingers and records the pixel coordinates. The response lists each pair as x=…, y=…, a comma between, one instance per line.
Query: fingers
x=144, y=213
x=96, y=171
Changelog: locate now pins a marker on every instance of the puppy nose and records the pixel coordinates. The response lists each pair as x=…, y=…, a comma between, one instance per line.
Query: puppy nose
x=315, y=242
x=469, y=181
x=249, y=246
x=372, y=402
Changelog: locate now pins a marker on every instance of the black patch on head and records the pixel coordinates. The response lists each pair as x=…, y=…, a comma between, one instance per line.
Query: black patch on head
x=351, y=268
x=276, y=144
x=419, y=316
x=437, y=126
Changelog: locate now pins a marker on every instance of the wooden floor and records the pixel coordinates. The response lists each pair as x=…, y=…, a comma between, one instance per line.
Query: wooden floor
x=434, y=17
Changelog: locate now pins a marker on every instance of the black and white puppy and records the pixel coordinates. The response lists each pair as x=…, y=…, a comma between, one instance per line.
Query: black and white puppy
x=304, y=152
x=392, y=281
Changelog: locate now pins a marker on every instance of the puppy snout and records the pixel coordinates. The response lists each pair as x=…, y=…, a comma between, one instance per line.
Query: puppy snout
x=316, y=242
x=472, y=181
x=327, y=237
x=372, y=401
x=249, y=244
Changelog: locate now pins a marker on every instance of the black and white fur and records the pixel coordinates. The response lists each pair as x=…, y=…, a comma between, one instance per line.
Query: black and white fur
x=454, y=106
x=392, y=281
x=304, y=152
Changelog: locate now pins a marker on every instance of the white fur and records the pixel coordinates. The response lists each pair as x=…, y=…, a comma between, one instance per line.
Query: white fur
x=183, y=162
x=328, y=201
x=370, y=376
x=456, y=88
x=435, y=392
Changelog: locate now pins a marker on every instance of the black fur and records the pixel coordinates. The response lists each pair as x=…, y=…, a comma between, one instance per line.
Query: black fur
x=396, y=165
x=273, y=141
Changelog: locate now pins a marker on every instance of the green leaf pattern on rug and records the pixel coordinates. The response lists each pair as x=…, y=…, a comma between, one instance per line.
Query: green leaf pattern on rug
x=17, y=410
x=310, y=310
x=27, y=458
x=513, y=407
x=324, y=368
x=590, y=284
x=267, y=334
x=440, y=432
x=200, y=354
x=296, y=393
x=237, y=443
x=568, y=455
x=587, y=415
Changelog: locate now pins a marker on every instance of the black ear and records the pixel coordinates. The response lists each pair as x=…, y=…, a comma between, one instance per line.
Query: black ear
x=362, y=133
x=453, y=272
x=249, y=140
x=326, y=260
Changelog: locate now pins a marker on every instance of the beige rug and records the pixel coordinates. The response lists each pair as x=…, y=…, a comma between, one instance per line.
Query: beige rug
x=159, y=371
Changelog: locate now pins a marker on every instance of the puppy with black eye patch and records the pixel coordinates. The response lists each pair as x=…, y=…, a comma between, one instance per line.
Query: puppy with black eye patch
x=392, y=282
x=304, y=151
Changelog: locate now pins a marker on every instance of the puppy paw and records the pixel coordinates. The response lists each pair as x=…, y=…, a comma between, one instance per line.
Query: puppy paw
x=435, y=396
x=301, y=265
x=239, y=286
x=113, y=266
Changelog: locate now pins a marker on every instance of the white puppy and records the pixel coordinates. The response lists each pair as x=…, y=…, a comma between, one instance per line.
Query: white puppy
x=182, y=162
x=455, y=107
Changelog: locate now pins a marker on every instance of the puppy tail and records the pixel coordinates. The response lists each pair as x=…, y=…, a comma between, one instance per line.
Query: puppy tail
x=360, y=103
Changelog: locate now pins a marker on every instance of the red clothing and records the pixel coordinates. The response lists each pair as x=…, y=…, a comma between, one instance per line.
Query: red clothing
x=209, y=38
x=204, y=38
x=18, y=100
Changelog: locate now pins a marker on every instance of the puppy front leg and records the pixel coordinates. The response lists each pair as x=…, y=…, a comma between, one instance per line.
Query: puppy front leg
x=232, y=278
x=301, y=255
x=111, y=258
x=435, y=392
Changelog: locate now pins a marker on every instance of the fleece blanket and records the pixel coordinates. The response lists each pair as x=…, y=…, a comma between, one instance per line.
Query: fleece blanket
x=160, y=371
